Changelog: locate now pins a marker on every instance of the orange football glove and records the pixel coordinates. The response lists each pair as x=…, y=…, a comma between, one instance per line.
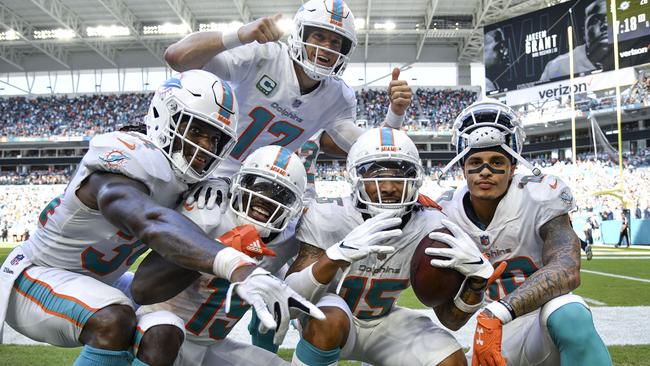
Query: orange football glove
x=427, y=202
x=246, y=239
x=487, y=342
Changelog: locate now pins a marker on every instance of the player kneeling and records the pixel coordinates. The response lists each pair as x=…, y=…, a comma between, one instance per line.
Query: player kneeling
x=521, y=220
x=372, y=236
x=266, y=198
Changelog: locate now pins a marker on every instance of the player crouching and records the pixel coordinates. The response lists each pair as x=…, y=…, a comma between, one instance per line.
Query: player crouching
x=521, y=220
x=372, y=236
x=266, y=198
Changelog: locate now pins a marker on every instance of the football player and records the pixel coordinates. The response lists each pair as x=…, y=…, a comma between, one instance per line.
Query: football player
x=287, y=92
x=264, y=202
x=521, y=220
x=56, y=287
x=372, y=236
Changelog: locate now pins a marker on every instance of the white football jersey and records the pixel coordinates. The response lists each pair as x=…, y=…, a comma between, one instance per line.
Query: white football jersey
x=202, y=304
x=272, y=109
x=74, y=237
x=513, y=234
x=373, y=284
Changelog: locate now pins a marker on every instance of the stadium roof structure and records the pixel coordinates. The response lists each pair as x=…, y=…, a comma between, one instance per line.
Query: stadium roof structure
x=44, y=35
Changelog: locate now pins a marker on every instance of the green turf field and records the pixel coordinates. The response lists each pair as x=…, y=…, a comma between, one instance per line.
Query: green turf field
x=603, y=289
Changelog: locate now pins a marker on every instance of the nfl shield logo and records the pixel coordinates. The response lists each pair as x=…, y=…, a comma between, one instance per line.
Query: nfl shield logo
x=485, y=240
x=296, y=103
x=17, y=259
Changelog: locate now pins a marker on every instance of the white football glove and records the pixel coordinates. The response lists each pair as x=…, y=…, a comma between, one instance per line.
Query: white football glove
x=210, y=193
x=360, y=242
x=272, y=299
x=463, y=256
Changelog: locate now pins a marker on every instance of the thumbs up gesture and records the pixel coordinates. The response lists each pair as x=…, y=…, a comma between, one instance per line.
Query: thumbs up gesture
x=262, y=30
x=399, y=93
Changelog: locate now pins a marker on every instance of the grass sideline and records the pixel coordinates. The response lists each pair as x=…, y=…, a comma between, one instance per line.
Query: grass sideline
x=611, y=291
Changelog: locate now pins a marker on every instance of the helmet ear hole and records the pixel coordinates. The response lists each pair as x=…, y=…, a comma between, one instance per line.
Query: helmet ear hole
x=155, y=114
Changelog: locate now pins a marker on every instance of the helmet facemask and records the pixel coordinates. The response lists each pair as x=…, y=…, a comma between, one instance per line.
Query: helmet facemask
x=387, y=185
x=316, y=71
x=263, y=202
x=187, y=132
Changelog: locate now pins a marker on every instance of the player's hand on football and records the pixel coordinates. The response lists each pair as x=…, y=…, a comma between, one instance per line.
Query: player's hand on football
x=463, y=255
x=210, y=194
x=486, y=350
x=262, y=30
x=272, y=299
x=363, y=240
x=399, y=93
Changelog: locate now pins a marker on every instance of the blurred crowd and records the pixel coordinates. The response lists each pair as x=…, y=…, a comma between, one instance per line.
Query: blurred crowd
x=62, y=115
x=36, y=177
x=431, y=109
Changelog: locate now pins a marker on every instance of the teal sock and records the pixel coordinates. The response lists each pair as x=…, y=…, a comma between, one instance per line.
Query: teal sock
x=258, y=339
x=308, y=354
x=91, y=356
x=137, y=362
x=572, y=329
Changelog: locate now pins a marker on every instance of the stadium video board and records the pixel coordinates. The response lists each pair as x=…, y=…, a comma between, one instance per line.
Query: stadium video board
x=533, y=48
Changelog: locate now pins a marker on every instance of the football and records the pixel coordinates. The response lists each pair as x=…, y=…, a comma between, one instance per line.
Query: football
x=433, y=286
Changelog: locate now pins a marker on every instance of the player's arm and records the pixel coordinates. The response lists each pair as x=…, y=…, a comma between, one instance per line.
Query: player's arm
x=196, y=49
x=315, y=268
x=330, y=147
x=471, y=294
x=399, y=94
x=125, y=203
x=158, y=280
x=560, y=273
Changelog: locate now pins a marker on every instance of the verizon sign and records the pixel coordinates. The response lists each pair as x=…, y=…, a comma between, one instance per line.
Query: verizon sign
x=590, y=83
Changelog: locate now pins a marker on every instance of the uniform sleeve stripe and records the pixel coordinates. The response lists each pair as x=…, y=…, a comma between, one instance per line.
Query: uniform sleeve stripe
x=62, y=306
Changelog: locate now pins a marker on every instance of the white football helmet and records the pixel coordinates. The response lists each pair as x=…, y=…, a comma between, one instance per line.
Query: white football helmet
x=267, y=191
x=380, y=156
x=331, y=15
x=486, y=124
x=186, y=110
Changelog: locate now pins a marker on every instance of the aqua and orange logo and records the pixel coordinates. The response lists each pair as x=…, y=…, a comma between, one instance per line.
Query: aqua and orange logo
x=114, y=159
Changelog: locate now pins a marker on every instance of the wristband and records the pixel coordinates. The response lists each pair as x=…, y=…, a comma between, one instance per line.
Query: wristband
x=501, y=311
x=462, y=305
x=393, y=120
x=228, y=260
x=230, y=39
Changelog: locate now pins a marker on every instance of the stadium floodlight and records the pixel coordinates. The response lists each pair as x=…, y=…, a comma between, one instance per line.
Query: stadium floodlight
x=58, y=33
x=166, y=28
x=360, y=23
x=386, y=26
x=220, y=27
x=107, y=31
x=10, y=35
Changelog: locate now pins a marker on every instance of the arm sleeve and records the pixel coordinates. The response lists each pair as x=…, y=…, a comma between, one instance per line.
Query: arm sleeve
x=553, y=198
x=233, y=65
x=128, y=154
x=343, y=129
